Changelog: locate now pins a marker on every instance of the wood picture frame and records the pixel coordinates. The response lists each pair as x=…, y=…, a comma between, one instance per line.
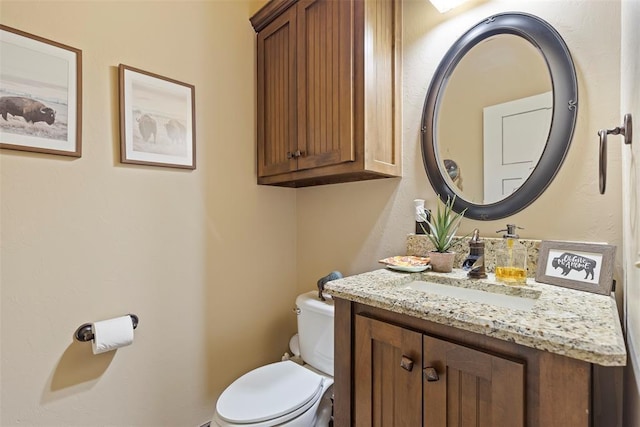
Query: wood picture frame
x=157, y=119
x=582, y=266
x=40, y=94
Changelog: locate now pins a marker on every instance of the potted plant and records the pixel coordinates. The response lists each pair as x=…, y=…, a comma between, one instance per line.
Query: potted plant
x=443, y=226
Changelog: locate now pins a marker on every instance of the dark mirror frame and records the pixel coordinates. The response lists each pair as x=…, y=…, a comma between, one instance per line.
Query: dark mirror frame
x=565, y=109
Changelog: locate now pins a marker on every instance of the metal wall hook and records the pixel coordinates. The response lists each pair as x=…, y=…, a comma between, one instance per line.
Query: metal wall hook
x=625, y=130
x=84, y=332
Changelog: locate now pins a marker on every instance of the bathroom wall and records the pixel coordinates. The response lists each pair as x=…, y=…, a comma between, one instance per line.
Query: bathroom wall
x=205, y=258
x=349, y=227
x=630, y=103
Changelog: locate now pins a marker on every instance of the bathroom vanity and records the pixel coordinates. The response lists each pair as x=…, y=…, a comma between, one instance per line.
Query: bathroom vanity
x=433, y=349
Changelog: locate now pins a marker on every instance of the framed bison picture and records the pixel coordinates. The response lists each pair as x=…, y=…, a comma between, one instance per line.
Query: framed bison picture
x=40, y=94
x=576, y=265
x=157, y=120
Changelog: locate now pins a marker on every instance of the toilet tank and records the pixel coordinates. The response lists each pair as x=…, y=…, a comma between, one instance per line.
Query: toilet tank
x=315, y=331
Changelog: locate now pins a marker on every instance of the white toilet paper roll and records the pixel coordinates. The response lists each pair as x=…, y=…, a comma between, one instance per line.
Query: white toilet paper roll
x=111, y=334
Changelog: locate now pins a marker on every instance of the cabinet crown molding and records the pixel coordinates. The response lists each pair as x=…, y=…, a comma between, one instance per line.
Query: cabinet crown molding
x=269, y=12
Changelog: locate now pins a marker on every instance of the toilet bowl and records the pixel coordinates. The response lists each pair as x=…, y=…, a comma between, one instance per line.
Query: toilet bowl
x=282, y=393
x=287, y=393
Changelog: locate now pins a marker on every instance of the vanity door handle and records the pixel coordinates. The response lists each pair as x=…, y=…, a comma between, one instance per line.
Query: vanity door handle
x=431, y=374
x=624, y=130
x=406, y=363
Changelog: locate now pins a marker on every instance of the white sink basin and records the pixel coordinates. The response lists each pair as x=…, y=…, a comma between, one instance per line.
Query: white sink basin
x=515, y=302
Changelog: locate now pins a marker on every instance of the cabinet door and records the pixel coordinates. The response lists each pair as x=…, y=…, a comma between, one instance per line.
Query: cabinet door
x=387, y=388
x=325, y=96
x=277, y=95
x=473, y=389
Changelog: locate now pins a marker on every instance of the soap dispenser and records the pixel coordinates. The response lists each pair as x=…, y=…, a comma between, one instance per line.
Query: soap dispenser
x=423, y=216
x=511, y=259
x=474, y=263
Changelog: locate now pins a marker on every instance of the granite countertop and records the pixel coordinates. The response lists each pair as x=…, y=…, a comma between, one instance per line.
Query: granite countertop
x=577, y=324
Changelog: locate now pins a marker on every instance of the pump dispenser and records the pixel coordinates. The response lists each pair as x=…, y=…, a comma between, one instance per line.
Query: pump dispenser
x=511, y=259
x=423, y=216
x=474, y=263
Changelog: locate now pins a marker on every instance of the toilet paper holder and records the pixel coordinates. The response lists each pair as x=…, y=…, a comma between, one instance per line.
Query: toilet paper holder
x=84, y=332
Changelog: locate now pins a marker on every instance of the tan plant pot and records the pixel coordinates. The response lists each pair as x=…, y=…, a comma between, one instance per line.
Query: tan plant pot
x=442, y=262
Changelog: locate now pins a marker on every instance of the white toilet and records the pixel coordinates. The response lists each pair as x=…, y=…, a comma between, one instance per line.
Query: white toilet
x=287, y=393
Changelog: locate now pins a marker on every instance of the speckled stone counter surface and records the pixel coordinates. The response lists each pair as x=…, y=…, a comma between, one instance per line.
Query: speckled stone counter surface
x=419, y=245
x=572, y=323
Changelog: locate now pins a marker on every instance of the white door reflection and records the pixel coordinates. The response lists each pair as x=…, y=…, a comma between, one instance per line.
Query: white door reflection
x=515, y=134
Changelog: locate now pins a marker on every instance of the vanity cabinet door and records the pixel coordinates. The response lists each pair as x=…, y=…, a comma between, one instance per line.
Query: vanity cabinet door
x=465, y=387
x=387, y=375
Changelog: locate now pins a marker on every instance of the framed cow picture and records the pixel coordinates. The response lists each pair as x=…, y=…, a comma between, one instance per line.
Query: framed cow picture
x=582, y=266
x=157, y=120
x=40, y=94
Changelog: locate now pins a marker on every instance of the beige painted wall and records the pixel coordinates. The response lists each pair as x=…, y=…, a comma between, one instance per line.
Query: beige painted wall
x=206, y=258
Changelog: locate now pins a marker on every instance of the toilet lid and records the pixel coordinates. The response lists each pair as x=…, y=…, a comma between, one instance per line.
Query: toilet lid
x=268, y=392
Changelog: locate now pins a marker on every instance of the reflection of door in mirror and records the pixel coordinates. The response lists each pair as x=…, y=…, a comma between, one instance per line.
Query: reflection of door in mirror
x=499, y=69
x=515, y=133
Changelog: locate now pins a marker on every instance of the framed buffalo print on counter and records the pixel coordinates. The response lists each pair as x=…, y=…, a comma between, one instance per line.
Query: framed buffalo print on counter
x=157, y=120
x=582, y=266
x=40, y=94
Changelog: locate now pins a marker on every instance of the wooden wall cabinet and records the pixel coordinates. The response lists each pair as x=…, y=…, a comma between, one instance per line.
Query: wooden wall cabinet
x=328, y=91
x=393, y=369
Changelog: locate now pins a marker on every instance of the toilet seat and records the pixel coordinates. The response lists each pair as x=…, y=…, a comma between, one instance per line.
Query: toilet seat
x=281, y=390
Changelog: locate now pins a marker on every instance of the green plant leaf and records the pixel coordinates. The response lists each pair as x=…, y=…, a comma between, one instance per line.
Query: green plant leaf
x=444, y=224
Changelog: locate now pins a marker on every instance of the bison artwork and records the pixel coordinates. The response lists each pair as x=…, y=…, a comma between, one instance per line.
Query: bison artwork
x=568, y=261
x=176, y=131
x=148, y=127
x=31, y=110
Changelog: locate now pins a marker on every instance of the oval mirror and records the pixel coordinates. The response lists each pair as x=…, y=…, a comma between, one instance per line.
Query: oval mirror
x=499, y=115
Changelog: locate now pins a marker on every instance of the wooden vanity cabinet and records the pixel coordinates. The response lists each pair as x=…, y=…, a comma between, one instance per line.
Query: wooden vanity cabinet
x=328, y=91
x=393, y=369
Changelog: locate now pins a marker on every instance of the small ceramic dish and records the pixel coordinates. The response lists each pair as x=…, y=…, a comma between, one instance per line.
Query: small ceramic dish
x=415, y=269
x=406, y=263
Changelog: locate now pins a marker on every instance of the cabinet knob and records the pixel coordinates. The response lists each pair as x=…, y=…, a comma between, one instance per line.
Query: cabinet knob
x=295, y=154
x=431, y=374
x=406, y=363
